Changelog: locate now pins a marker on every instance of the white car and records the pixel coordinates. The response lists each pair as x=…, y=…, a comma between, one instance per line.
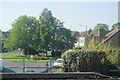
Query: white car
x=1, y=66
x=58, y=63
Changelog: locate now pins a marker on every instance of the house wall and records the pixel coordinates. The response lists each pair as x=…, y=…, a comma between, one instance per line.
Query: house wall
x=79, y=43
x=83, y=41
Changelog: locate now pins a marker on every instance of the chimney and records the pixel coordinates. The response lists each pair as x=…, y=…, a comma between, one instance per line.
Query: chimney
x=101, y=32
x=89, y=31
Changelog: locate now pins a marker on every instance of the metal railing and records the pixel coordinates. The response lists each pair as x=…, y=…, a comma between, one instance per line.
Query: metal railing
x=23, y=68
x=39, y=72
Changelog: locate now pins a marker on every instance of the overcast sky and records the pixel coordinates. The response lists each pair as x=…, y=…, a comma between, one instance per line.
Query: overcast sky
x=73, y=14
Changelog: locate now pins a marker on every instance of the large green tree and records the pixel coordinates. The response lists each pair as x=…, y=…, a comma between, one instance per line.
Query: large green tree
x=46, y=22
x=52, y=32
x=116, y=26
x=22, y=34
x=35, y=35
x=105, y=27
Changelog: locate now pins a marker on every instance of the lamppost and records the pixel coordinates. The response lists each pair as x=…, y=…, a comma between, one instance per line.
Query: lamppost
x=85, y=27
x=85, y=37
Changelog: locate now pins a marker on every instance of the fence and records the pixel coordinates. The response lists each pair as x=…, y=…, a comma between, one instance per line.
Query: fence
x=61, y=76
x=25, y=67
x=32, y=72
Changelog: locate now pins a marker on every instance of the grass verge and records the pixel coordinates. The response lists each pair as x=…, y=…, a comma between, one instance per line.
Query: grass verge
x=14, y=57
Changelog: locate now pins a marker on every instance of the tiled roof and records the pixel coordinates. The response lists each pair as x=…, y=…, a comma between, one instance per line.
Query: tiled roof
x=4, y=34
x=94, y=33
x=109, y=36
x=75, y=34
x=112, y=32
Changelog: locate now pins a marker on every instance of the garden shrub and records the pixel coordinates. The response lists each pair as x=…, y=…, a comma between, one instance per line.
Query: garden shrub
x=91, y=59
x=114, y=57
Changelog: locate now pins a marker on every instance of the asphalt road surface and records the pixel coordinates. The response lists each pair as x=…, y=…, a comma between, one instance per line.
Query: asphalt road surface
x=17, y=67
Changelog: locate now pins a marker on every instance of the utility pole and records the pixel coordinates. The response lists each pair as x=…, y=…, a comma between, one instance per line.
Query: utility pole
x=86, y=30
x=85, y=27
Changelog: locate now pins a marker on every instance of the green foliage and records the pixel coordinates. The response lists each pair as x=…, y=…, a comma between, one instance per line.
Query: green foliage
x=114, y=57
x=22, y=34
x=116, y=26
x=52, y=32
x=101, y=26
x=91, y=45
x=14, y=57
x=92, y=58
x=89, y=60
x=34, y=35
x=105, y=47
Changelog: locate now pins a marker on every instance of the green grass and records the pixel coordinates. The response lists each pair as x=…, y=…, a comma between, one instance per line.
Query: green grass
x=26, y=60
x=12, y=56
x=18, y=58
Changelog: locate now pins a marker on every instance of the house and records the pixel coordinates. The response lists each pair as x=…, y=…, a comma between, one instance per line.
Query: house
x=86, y=36
x=112, y=38
x=3, y=35
x=75, y=34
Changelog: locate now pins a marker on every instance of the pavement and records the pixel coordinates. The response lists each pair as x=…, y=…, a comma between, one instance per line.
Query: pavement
x=17, y=67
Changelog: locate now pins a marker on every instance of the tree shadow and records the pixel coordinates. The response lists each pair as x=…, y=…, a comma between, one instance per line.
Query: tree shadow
x=7, y=70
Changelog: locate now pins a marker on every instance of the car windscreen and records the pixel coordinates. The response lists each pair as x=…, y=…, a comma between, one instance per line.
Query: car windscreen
x=58, y=61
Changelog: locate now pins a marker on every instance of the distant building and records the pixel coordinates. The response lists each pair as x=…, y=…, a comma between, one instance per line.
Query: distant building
x=112, y=38
x=102, y=37
x=5, y=34
x=2, y=36
x=76, y=34
x=86, y=36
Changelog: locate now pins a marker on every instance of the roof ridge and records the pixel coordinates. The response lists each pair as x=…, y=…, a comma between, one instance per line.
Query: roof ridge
x=106, y=39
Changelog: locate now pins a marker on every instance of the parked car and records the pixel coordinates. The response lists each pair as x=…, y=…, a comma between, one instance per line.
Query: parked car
x=58, y=63
x=1, y=66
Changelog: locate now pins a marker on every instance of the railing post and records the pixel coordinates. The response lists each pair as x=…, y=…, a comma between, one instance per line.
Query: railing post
x=77, y=59
x=47, y=66
x=68, y=65
x=23, y=64
x=50, y=64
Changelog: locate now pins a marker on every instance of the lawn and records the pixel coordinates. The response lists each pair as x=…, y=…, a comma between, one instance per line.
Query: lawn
x=14, y=57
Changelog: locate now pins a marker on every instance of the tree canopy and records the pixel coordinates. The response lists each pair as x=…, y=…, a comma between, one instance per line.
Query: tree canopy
x=53, y=33
x=101, y=26
x=116, y=26
x=34, y=34
x=22, y=33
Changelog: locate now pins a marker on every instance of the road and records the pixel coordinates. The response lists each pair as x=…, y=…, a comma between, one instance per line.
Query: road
x=18, y=66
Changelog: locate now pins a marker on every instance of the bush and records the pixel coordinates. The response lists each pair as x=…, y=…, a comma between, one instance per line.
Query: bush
x=114, y=57
x=91, y=61
x=92, y=58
